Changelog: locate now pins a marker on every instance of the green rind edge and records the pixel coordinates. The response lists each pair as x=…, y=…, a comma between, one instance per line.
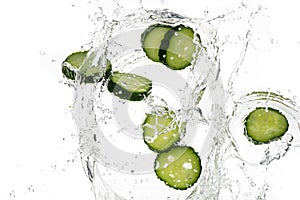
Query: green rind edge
x=165, y=45
x=256, y=142
x=155, y=149
x=196, y=179
x=71, y=74
x=146, y=32
x=127, y=95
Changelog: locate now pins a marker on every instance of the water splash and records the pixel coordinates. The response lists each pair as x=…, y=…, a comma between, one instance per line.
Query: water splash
x=227, y=174
x=102, y=119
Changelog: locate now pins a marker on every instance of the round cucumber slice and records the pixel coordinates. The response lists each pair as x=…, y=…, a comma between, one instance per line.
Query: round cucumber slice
x=263, y=125
x=179, y=168
x=161, y=132
x=75, y=60
x=178, y=47
x=151, y=40
x=129, y=86
x=172, y=46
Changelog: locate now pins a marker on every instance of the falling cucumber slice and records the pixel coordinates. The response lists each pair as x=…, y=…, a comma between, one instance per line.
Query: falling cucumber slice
x=151, y=40
x=179, y=168
x=129, y=86
x=161, y=132
x=74, y=62
x=264, y=125
x=178, y=47
x=172, y=46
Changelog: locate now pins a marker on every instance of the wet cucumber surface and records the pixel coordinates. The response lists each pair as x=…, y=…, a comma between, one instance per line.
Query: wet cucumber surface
x=129, y=86
x=179, y=168
x=74, y=62
x=264, y=125
x=178, y=51
x=172, y=46
x=161, y=132
x=152, y=39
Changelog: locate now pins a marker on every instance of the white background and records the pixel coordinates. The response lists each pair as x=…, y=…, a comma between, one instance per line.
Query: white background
x=38, y=139
x=38, y=143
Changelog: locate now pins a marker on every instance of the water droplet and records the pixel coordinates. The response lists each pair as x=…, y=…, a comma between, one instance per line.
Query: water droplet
x=12, y=194
x=30, y=188
x=171, y=158
x=187, y=165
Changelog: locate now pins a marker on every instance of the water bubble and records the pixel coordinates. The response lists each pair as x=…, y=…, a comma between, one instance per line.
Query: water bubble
x=12, y=194
x=31, y=188
x=171, y=158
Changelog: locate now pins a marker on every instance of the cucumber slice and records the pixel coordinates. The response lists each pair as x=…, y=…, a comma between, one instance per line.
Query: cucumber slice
x=129, y=86
x=152, y=38
x=75, y=60
x=179, y=168
x=172, y=46
x=264, y=125
x=178, y=47
x=161, y=132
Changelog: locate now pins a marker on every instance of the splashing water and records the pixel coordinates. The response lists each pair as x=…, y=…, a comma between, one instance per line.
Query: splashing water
x=115, y=158
x=108, y=124
x=242, y=169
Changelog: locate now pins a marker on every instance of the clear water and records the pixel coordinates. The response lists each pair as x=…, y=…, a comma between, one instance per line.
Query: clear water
x=246, y=165
x=115, y=158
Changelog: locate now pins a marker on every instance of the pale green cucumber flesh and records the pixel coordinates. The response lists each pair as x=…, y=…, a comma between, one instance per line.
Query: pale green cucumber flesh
x=179, y=168
x=129, y=86
x=263, y=125
x=181, y=48
x=151, y=40
x=161, y=132
x=74, y=62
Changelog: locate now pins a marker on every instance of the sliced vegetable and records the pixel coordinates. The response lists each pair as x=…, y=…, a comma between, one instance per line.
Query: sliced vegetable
x=74, y=62
x=129, y=86
x=179, y=168
x=172, y=46
x=152, y=38
x=161, y=132
x=263, y=125
x=178, y=47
